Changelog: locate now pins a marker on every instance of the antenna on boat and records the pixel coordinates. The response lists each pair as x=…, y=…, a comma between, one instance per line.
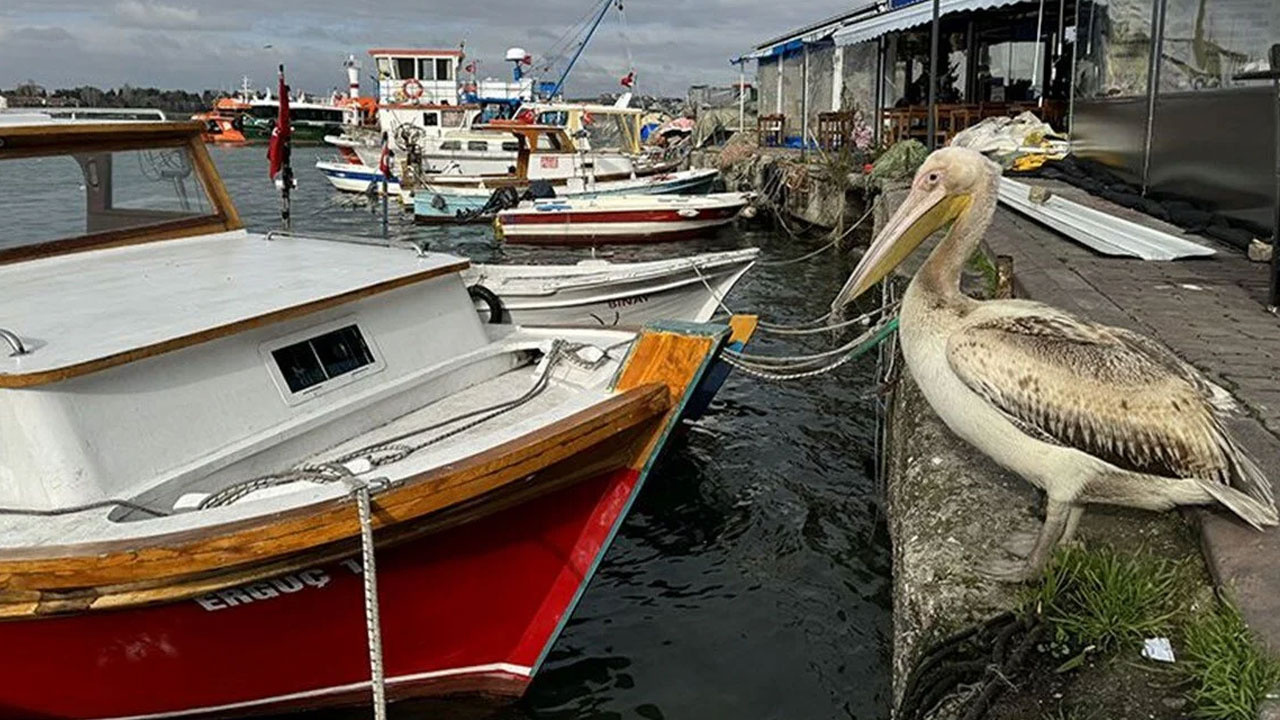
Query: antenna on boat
x=604, y=8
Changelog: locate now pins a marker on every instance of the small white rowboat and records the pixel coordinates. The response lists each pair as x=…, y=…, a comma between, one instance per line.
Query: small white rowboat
x=618, y=219
x=598, y=292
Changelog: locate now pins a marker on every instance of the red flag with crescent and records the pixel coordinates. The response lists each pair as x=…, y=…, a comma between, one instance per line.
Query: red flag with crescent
x=278, y=150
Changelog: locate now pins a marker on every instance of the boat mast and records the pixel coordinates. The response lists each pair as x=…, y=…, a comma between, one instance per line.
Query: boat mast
x=604, y=8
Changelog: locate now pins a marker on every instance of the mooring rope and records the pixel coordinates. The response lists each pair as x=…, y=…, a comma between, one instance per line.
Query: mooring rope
x=824, y=248
x=771, y=373
x=807, y=327
x=372, y=621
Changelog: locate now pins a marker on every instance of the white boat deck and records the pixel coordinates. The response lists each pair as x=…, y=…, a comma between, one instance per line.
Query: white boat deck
x=92, y=306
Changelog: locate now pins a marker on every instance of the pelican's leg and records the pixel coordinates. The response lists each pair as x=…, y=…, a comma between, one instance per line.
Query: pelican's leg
x=1073, y=524
x=1056, y=517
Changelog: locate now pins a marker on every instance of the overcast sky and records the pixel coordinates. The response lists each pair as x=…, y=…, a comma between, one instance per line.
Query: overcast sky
x=198, y=44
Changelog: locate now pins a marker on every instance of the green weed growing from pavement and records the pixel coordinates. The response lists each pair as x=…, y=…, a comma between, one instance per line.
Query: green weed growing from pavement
x=1109, y=600
x=1230, y=674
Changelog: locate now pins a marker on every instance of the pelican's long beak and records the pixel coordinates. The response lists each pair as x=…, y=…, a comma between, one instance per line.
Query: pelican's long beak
x=923, y=212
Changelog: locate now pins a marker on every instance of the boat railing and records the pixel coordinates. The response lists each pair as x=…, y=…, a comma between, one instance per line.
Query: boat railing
x=421, y=246
x=15, y=343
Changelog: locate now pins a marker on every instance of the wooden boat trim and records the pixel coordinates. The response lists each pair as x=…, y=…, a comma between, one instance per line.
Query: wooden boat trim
x=109, y=597
x=255, y=540
x=44, y=377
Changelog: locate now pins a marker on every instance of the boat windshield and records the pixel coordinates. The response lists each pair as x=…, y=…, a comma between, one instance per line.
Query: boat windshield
x=607, y=132
x=62, y=196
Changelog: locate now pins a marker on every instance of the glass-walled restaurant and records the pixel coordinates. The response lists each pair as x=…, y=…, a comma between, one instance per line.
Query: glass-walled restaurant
x=1157, y=98
x=1149, y=88
x=992, y=62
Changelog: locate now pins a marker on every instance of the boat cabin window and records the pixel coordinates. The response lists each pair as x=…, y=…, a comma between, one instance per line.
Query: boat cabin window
x=549, y=141
x=384, y=68
x=322, y=115
x=453, y=118
x=426, y=70
x=265, y=112
x=511, y=146
x=405, y=68
x=334, y=354
x=553, y=117
x=451, y=145
x=430, y=119
x=444, y=69
x=63, y=196
x=477, y=146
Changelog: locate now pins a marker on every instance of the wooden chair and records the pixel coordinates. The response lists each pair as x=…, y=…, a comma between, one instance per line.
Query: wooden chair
x=771, y=130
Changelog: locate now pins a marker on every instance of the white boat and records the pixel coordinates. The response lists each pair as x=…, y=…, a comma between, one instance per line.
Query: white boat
x=356, y=177
x=220, y=431
x=441, y=204
x=617, y=218
x=598, y=293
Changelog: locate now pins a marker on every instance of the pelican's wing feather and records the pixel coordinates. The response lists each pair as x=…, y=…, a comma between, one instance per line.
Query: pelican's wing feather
x=1108, y=392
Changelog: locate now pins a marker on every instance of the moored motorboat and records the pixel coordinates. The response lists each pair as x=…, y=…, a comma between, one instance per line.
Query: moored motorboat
x=441, y=204
x=203, y=407
x=548, y=158
x=597, y=293
x=618, y=219
x=356, y=177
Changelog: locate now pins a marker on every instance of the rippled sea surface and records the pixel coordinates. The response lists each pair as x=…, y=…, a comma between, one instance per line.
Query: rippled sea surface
x=751, y=579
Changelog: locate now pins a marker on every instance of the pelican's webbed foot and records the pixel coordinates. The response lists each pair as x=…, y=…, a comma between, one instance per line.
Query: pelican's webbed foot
x=1008, y=570
x=1058, y=517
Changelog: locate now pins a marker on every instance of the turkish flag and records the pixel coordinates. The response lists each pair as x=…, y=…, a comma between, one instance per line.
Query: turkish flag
x=278, y=150
x=630, y=79
x=384, y=160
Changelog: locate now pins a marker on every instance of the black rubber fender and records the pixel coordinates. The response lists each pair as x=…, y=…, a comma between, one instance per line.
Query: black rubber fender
x=497, y=313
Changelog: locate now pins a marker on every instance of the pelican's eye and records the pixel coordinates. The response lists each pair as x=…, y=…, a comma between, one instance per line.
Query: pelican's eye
x=934, y=177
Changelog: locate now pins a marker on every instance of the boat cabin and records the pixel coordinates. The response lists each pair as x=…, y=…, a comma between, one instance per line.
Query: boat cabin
x=594, y=127
x=151, y=345
x=543, y=152
x=417, y=76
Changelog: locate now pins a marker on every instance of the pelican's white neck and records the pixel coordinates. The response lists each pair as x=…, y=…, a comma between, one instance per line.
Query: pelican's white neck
x=939, y=276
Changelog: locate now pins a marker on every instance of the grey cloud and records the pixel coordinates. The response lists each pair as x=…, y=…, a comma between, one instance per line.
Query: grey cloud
x=674, y=43
x=152, y=14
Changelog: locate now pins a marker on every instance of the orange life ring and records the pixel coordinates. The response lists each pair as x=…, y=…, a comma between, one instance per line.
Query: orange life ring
x=412, y=88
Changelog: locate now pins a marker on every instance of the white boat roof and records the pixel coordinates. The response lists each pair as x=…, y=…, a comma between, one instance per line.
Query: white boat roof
x=86, y=311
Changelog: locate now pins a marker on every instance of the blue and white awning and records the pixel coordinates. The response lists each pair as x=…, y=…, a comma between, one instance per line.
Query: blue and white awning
x=910, y=16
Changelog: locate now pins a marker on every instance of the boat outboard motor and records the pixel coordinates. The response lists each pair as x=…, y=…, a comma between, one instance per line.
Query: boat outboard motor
x=501, y=199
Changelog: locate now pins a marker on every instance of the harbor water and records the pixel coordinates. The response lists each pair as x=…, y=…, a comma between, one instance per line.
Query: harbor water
x=751, y=579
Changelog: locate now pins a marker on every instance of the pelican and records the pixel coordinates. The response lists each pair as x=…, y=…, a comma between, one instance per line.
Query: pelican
x=1086, y=412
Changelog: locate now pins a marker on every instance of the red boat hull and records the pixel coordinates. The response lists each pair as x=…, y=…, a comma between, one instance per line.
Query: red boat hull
x=472, y=609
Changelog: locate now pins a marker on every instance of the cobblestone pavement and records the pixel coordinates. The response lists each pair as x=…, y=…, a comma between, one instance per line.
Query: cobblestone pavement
x=1210, y=312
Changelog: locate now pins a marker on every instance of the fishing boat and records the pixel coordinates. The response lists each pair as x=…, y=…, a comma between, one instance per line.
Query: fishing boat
x=546, y=158
x=597, y=292
x=260, y=474
x=437, y=204
x=618, y=219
